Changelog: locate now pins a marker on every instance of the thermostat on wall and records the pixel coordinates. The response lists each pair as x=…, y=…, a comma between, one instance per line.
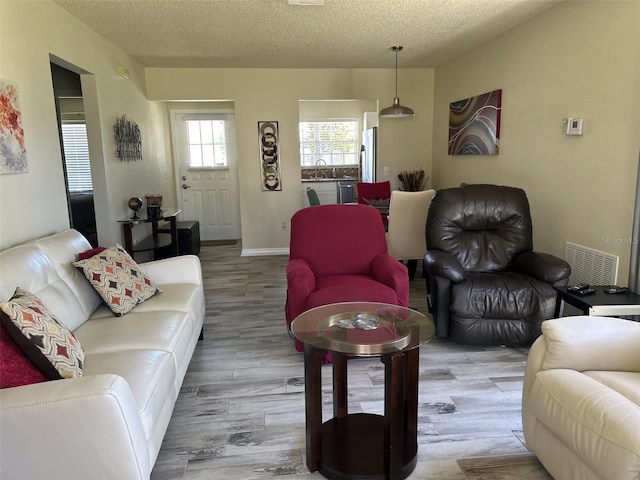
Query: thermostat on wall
x=572, y=126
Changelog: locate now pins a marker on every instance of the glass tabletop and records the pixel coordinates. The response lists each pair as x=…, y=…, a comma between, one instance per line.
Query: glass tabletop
x=363, y=328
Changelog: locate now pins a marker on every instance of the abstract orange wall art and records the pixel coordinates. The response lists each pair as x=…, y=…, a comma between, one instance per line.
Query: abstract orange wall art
x=13, y=156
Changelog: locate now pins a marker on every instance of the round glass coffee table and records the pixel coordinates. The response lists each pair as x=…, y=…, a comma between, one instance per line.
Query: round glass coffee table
x=362, y=445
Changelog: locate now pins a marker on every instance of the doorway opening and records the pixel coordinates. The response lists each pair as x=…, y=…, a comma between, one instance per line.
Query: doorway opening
x=74, y=146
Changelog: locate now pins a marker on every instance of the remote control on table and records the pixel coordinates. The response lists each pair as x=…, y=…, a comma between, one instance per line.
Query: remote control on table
x=615, y=289
x=586, y=292
x=578, y=288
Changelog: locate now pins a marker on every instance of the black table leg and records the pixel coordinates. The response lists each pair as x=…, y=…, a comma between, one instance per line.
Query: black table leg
x=340, y=409
x=313, y=401
x=394, y=414
x=559, y=305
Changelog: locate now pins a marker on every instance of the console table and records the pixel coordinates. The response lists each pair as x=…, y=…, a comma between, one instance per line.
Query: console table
x=157, y=239
x=363, y=446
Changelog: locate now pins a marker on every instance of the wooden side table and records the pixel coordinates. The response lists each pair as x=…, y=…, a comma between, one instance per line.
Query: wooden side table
x=600, y=304
x=156, y=239
x=363, y=446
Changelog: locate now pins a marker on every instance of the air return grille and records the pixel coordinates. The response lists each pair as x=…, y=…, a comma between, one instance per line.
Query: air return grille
x=591, y=266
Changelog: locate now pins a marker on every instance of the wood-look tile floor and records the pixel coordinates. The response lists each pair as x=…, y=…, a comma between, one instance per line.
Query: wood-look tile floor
x=240, y=413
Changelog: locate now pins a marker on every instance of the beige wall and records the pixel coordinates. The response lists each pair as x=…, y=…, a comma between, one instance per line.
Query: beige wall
x=32, y=31
x=349, y=109
x=34, y=203
x=264, y=94
x=578, y=59
x=544, y=77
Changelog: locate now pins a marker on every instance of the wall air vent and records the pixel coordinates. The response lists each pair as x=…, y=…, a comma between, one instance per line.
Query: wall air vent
x=591, y=266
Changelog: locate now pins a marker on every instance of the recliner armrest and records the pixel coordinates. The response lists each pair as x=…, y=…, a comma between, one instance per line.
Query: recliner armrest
x=386, y=269
x=443, y=264
x=591, y=343
x=543, y=266
x=301, y=281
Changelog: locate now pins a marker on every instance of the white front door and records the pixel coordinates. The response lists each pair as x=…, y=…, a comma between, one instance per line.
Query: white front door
x=207, y=186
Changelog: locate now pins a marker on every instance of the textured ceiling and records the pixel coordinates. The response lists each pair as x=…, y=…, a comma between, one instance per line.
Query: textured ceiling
x=274, y=34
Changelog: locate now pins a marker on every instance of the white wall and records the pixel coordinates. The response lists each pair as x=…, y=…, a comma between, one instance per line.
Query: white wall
x=266, y=94
x=34, y=204
x=577, y=59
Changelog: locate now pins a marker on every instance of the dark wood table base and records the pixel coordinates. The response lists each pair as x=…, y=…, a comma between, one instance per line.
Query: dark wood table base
x=363, y=446
x=353, y=447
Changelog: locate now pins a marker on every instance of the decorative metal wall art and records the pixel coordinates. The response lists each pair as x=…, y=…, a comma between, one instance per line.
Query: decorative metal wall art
x=128, y=140
x=474, y=125
x=269, y=155
x=13, y=155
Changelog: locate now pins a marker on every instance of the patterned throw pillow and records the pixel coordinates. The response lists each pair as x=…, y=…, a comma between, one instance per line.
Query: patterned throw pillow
x=117, y=279
x=51, y=346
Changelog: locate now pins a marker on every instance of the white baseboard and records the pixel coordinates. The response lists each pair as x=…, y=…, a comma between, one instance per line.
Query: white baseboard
x=262, y=252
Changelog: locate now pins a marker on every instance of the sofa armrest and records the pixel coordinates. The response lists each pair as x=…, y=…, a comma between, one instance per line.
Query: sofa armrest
x=443, y=264
x=591, y=343
x=386, y=269
x=301, y=281
x=543, y=266
x=182, y=269
x=532, y=367
x=73, y=428
x=535, y=357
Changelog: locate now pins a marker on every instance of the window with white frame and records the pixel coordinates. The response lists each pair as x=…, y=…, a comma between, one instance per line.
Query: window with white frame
x=329, y=142
x=76, y=156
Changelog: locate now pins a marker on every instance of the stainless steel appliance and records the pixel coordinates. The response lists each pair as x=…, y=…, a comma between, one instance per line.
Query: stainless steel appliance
x=346, y=191
x=369, y=154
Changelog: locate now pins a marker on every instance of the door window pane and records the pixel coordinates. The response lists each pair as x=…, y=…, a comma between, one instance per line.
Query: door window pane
x=207, y=141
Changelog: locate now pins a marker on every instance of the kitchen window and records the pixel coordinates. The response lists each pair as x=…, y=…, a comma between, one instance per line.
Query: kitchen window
x=329, y=142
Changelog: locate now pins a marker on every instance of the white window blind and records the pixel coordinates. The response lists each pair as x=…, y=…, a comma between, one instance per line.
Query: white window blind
x=76, y=154
x=334, y=142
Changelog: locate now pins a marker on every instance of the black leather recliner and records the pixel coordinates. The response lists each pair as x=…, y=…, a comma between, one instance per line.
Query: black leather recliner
x=488, y=286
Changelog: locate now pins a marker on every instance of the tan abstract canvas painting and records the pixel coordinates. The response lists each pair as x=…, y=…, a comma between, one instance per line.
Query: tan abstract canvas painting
x=474, y=125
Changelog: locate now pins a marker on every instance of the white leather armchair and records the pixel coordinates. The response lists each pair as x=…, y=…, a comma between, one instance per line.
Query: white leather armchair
x=581, y=398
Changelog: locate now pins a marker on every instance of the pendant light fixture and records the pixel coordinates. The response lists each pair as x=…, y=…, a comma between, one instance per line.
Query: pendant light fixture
x=396, y=110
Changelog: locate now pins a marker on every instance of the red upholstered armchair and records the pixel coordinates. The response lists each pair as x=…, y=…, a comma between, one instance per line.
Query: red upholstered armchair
x=373, y=191
x=338, y=253
x=375, y=194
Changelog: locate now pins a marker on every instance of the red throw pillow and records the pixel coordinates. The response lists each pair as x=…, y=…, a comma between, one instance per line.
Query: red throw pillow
x=90, y=253
x=52, y=347
x=15, y=368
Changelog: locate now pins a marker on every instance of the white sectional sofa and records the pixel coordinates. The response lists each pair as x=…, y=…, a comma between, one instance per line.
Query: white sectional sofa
x=581, y=398
x=109, y=423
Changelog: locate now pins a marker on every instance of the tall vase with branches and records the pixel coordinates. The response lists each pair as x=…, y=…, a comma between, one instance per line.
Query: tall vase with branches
x=413, y=180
